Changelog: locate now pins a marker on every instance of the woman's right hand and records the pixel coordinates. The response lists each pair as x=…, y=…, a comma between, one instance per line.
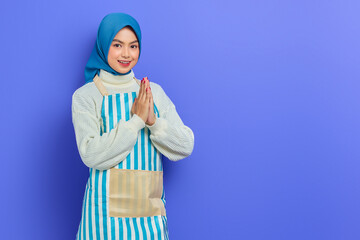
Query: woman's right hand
x=141, y=104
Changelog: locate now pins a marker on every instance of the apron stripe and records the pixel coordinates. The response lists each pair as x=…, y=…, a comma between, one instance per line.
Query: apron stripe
x=149, y=154
x=142, y=132
x=155, y=158
x=127, y=118
x=163, y=197
x=114, y=106
x=106, y=106
x=90, y=204
x=160, y=162
x=116, y=222
x=124, y=228
x=112, y=220
x=156, y=110
x=156, y=164
x=150, y=228
x=135, y=159
x=101, y=203
x=84, y=217
x=122, y=116
x=135, y=162
x=93, y=207
x=127, y=110
x=166, y=227
x=132, y=153
x=128, y=228
x=111, y=123
x=103, y=199
x=87, y=222
x=156, y=219
x=118, y=107
x=103, y=115
x=147, y=161
x=139, y=227
x=154, y=234
x=109, y=232
x=134, y=228
x=97, y=204
x=143, y=228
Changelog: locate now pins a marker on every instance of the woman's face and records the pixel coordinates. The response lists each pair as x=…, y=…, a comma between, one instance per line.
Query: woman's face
x=124, y=51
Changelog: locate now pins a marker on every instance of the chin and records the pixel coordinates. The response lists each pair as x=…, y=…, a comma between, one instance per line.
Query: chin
x=123, y=71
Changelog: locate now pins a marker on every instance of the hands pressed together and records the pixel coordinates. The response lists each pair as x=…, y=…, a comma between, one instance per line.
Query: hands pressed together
x=143, y=105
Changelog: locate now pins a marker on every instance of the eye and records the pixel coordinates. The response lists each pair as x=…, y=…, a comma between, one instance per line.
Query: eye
x=134, y=46
x=117, y=45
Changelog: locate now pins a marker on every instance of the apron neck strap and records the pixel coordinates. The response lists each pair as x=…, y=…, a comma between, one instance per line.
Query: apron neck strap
x=100, y=85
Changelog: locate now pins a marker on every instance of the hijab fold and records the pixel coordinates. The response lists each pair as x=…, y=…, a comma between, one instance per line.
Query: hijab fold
x=110, y=25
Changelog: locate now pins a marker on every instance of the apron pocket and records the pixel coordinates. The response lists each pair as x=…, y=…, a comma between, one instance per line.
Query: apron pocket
x=135, y=193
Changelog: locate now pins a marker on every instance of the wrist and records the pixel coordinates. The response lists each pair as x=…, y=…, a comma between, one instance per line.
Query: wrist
x=137, y=122
x=151, y=123
x=159, y=126
x=151, y=120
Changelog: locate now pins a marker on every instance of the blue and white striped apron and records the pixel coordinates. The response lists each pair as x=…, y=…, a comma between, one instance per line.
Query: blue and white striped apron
x=97, y=221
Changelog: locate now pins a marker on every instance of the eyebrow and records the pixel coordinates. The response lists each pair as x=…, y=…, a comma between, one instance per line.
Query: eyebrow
x=117, y=40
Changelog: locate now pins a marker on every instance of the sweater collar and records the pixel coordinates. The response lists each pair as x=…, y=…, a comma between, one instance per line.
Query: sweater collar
x=111, y=80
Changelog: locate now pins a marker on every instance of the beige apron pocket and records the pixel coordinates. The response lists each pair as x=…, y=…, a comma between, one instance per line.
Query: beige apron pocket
x=135, y=193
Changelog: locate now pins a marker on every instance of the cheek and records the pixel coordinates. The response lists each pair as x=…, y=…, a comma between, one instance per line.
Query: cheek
x=136, y=55
x=112, y=54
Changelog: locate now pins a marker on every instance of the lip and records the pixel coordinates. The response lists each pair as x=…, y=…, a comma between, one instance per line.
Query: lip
x=122, y=64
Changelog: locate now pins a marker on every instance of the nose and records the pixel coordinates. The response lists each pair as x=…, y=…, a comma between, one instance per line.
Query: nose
x=125, y=52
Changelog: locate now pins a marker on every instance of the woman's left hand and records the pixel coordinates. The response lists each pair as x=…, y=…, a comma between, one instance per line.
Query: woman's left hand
x=151, y=116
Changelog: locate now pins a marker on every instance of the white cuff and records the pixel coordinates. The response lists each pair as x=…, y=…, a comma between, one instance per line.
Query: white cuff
x=159, y=126
x=136, y=123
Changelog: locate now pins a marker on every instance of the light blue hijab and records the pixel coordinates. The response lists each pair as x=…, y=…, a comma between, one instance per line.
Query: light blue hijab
x=110, y=25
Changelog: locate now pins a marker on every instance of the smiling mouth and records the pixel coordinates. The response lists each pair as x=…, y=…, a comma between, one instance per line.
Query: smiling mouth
x=124, y=63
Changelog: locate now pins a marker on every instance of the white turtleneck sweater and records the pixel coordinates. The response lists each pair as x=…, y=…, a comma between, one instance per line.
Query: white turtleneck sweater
x=169, y=135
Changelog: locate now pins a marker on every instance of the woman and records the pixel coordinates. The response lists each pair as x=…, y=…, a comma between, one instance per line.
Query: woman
x=123, y=127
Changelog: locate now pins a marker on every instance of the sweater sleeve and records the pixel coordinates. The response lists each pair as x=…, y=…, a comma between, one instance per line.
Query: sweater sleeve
x=105, y=151
x=169, y=134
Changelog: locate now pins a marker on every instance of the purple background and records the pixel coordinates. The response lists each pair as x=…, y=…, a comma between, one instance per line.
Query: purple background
x=270, y=89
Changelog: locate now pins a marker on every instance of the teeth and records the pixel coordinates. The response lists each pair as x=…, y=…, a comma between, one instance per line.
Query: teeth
x=124, y=62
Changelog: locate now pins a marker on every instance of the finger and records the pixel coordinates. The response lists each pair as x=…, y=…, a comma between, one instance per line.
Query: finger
x=142, y=90
x=148, y=94
x=147, y=82
x=141, y=86
x=144, y=86
x=147, y=86
x=151, y=114
x=151, y=104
